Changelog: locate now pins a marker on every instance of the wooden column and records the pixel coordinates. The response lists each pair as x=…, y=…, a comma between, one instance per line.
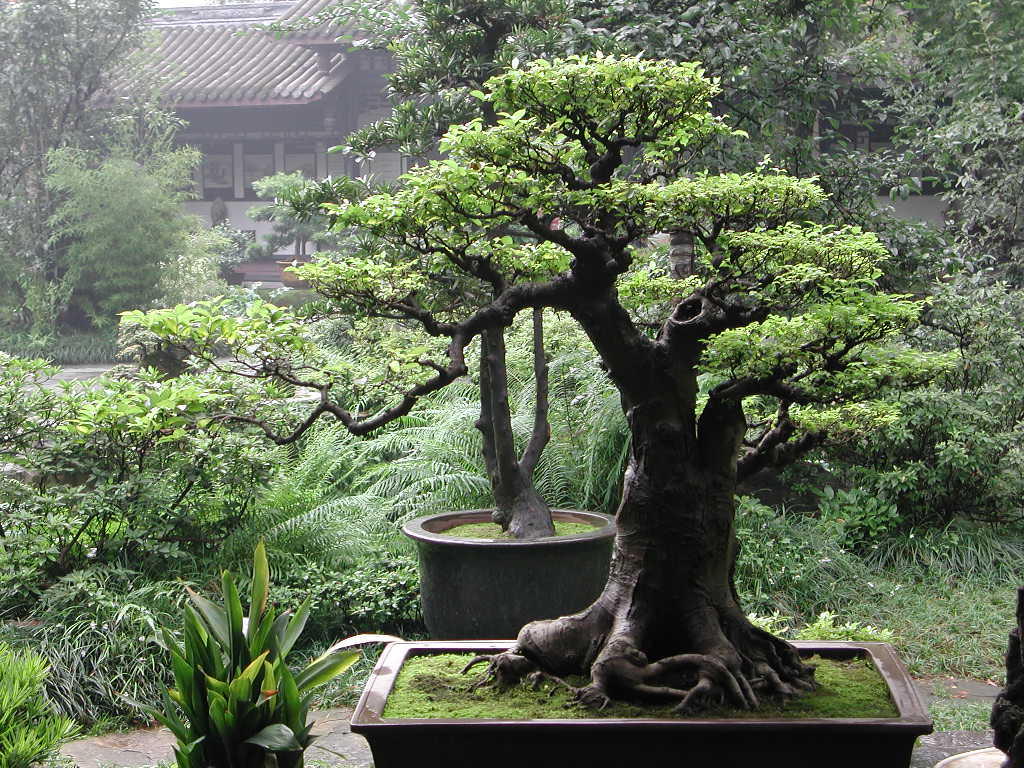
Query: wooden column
x=239, y=154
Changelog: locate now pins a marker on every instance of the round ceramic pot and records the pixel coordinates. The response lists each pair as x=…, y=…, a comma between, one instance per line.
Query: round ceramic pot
x=489, y=588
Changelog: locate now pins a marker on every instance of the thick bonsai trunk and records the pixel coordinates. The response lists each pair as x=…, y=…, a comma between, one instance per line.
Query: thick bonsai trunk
x=668, y=626
x=519, y=509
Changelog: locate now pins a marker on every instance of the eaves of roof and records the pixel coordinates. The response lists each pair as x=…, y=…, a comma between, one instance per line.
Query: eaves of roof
x=234, y=64
x=221, y=57
x=315, y=35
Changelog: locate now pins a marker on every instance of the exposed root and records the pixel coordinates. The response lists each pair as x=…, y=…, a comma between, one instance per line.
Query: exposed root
x=692, y=679
x=751, y=663
x=504, y=670
x=780, y=670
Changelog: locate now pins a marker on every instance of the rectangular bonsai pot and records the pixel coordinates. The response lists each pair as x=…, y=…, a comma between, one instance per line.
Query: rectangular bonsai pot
x=645, y=743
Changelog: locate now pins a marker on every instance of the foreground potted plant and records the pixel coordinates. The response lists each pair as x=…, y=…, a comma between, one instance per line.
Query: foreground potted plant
x=236, y=703
x=780, y=339
x=658, y=739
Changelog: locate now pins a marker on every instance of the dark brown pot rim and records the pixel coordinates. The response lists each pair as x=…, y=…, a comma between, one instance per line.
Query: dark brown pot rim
x=427, y=529
x=913, y=718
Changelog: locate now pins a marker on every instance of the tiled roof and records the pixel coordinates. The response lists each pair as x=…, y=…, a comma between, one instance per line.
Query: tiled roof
x=219, y=55
x=318, y=35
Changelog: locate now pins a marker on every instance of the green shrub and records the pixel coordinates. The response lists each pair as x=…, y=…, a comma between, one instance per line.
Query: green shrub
x=949, y=456
x=382, y=596
x=124, y=469
x=954, y=452
x=29, y=732
x=377, y=595
x=97, y=630
x=242, y=705
x=863, y=517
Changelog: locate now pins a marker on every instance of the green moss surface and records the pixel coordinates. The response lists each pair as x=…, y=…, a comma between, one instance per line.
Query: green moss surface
x=493, y=530
x=432, y=686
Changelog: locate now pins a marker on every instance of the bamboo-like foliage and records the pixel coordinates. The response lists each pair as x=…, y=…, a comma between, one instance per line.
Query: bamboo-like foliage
x=29, y=731
x=235, y=701
x=341, y=499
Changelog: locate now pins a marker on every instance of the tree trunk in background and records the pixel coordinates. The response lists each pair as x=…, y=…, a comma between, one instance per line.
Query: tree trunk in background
x=1008, y=711
x=519, y=509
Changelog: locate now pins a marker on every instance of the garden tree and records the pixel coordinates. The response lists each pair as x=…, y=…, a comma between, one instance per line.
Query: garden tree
x=289, y=230
x=121, y=226
x=958, y=114
x=443, y=52
x=589, y=157
x=952, y=453
x=58, y=55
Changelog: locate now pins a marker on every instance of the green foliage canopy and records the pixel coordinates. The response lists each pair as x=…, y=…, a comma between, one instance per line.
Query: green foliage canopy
x=779, y=309
x=58, y=55
x=123, y=220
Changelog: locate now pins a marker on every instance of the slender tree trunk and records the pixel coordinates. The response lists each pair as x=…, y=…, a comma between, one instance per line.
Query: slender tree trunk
x=519, y=509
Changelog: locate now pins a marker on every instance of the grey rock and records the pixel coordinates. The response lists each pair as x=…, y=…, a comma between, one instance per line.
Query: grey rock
x=336, y=745
x=936, y=747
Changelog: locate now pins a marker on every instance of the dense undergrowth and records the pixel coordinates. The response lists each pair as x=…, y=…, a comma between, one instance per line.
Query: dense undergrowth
x=330, y=510
x=70, y=349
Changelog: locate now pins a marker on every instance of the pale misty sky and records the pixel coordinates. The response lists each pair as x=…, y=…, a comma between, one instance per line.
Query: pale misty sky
x=185, y=3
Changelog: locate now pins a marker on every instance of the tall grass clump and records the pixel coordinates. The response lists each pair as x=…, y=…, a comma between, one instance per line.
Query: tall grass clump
x=73, y=349
x=957, y=551
x=793, y=564
x=29, y=731
x=97, y=630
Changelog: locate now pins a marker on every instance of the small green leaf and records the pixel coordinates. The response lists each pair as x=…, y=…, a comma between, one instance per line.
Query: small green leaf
x=325, y=669
x=276, y=738
x=260, y=589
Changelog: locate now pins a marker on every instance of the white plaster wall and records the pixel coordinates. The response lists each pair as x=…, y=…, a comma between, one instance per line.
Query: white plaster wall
x=927, y=208
x=236, y=215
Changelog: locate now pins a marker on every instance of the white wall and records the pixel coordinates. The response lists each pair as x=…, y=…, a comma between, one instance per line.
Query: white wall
x=927, y=208
x=236, y=214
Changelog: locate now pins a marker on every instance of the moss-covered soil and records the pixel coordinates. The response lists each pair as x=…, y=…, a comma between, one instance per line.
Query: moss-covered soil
x=493, y=530
x=432, y=686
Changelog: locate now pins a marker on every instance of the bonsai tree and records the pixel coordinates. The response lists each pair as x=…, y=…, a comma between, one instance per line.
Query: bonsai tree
x=442, y=54
x=780, y=338
x=519, y=508
x=287, y=230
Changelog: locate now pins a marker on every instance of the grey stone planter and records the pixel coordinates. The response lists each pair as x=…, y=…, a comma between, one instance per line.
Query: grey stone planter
x=490, y=588
x=646, y=743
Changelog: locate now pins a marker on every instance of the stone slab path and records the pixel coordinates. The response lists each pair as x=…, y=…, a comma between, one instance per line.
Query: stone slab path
x=336, y=745
x=956, y=689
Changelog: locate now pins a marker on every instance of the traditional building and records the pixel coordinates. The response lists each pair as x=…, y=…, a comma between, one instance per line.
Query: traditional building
x=258, y=102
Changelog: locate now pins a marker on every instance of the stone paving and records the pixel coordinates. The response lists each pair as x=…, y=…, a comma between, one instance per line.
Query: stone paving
x=338, y=746
x=956, y=690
